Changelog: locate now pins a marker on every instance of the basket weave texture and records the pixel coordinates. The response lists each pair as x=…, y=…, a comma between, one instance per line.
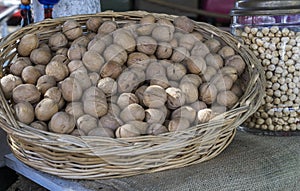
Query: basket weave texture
x=89, y=157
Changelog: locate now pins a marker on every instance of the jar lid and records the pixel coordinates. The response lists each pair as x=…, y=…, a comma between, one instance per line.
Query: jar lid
x=265, y=7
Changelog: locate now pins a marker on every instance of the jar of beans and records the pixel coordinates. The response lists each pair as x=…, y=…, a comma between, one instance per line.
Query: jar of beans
x=271, y=29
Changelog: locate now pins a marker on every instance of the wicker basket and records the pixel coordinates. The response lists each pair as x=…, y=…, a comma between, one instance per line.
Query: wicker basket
x=97, y=158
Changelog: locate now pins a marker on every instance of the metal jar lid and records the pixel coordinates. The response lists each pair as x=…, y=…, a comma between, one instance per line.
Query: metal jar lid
x=265, y=7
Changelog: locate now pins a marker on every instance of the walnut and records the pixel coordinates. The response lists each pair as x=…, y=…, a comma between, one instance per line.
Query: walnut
x=139, y=73
x=17, y=67
x=115, y=53
x=226, y=51
x=190, y=92
x=138, y=59
x=24, y=112
x=97, y=45
x=198, y=105
x=110, y=121
x=154, y=96
x=179, y=54
x=45, y=109
x=86, y=123
x=94, y=77
x=75, y=109
x=82, y=77
x=93, y=23
x=127, y=130
x=187, y=41
x=164, y=50
x=230, y=71
x=71, y=89
x=26, y=92
x=72, y=29
x=174, y=84
x=30, y=75
x=175, y=97
x=178, y=124
x=133, y=112
x=94, y=102
x=124, y=39
x=154, y=116
x=28, y=43
x=200, y=49
x=107, y=27
x=111, y=69
x=127, y=81
x=93, y=61
x=41, y=55
x=162, y=33
x=57, y=40
x=145, y=29
x=113, y=109
x=218, y=109
x=204, y=115
x=113, y=99
x=237, y=90
x=146, y=45
x=214, y=60
x=106, y=39
x=139, y=93
x=227, y=98
x=155, y=69
x=208, y=93
x=102, y=132
x=108, y=86
x=196, y=65
x=209, y=73
x=191, y=78
x=62, y=51
x=45, y=82
x=165, y=63
x=140, y=125
x=176, y=71
x=197, y=35
x=75, y=52
x=186, y=112
x=58, y=68
x=160, y=80
x=222, y=82
x=184, y=23
x=126, y=99
x=76, y=65
x=41, y=125
x=55, y=94
x=61, y=122
x=148, y=19
x=156, y=129
x=166, y=22
x=237, y=62
x=213, y=45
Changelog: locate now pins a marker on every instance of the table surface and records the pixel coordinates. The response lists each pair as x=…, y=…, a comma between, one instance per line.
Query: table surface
x=250, y=162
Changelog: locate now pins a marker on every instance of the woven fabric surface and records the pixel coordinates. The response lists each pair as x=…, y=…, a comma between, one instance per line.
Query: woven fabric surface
x=250, y=162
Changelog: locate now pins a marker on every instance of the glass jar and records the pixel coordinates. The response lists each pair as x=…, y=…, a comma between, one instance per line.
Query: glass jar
x=271, y=29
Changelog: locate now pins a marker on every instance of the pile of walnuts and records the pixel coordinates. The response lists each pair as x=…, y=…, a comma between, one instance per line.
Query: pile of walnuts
x=123, y=80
